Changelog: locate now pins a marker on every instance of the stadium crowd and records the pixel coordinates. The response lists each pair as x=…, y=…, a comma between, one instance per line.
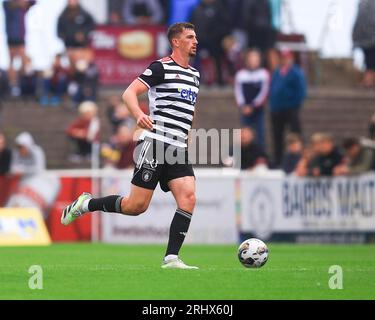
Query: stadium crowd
x=237, y=40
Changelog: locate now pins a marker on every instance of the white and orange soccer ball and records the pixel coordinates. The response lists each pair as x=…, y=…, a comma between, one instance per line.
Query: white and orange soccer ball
x=253, y=253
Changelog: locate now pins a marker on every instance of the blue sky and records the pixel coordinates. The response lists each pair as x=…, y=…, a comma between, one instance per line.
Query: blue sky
x=327, y=25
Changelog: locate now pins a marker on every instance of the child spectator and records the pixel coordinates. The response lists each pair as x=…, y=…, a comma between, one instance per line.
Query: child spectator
x=293, y=155
x=251, y=92
x=252, y=154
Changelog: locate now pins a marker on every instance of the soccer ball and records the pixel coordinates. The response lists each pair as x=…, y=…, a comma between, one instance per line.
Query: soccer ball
x=253, y=253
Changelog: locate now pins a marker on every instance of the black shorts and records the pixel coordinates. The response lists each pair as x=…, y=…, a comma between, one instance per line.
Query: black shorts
x=153, y=164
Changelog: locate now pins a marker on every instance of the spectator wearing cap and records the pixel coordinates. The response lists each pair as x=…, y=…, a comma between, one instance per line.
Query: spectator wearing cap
x=358, y=158
x=84, y=131
x=287, y=93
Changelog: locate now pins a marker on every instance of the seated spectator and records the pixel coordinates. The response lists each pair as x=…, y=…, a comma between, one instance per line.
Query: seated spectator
x=55, y=83
x=327, y=156
x=5, y=156
x=28, y=159
x=252, y=154
x=119, y=153
x=85, y=82
x=28, y=79
x=359, y=159
x=142, y=12
x=293, y=155
x=302, y=167
x=118, y=114
x=84, y=131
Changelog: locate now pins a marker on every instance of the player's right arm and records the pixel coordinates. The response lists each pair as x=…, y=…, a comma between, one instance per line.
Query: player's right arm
x=152, y=76
x=130, y=98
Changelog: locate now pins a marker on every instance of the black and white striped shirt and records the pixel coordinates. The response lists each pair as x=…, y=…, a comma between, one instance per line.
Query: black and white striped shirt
x=172, y=95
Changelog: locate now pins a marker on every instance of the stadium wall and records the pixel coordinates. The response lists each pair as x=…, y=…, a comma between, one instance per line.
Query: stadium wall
x=231, y=206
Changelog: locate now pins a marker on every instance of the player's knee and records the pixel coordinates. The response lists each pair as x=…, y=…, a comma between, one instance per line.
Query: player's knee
x=188, y=202
x=139, y=208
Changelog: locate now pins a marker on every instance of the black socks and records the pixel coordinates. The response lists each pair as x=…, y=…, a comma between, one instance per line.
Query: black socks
x=177, y=232
x=106, y=204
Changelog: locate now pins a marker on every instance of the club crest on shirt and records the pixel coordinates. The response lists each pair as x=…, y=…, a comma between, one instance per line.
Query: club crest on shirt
x=147, y=72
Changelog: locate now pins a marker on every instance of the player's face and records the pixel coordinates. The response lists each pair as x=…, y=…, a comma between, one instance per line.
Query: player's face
x=187, y=42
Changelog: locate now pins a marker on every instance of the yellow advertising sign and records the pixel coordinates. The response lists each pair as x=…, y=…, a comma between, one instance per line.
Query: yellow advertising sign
x=22, y=227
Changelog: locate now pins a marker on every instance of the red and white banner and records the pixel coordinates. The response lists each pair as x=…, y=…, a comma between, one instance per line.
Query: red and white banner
x=123, y=53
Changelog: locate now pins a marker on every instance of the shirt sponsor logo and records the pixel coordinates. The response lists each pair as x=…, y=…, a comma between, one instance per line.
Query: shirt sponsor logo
x=188, y=95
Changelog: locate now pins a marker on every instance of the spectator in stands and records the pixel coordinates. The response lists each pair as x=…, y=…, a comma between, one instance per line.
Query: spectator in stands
x=84, y=131
x=257, y=20
x=114, y=12
x=15, y=27
x=211, y=21
x=358, y=158
x=28, y=79
x=28, y=159
x=118, y=114
x=5, y=156
x=119, y=153
x=55, y=83
x=371, y=129
x=303, y=166
x=142, y=12
x=4, y=85
x=74, y=27
x=181, y=10
x=287, y=93
x=327, y=156
x=84, y=83
x=252, y=154
x=251, y=92
x=294, y=152
x=364, y=38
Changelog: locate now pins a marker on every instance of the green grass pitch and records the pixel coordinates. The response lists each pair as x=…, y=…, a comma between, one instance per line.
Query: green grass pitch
x=101, y=271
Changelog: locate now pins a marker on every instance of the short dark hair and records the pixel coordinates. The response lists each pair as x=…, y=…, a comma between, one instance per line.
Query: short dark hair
x=177, y=28
x=350, y=142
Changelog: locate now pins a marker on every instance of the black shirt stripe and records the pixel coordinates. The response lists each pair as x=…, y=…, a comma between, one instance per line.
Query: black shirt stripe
x=170, y=106
x=188, y=102
x=168, y=115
